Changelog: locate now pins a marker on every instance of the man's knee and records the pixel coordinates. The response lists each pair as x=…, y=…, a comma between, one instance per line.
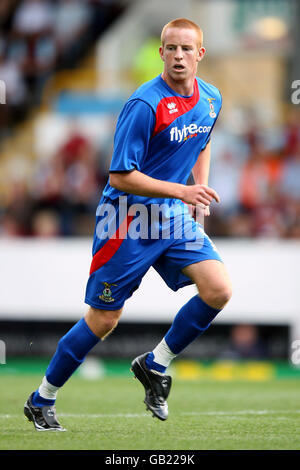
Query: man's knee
x=212, y=281
x=101, y=322
x=109, y=318
x=217, y=296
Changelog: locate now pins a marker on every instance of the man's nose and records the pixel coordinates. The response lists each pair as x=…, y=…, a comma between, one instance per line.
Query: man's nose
x=178, y=53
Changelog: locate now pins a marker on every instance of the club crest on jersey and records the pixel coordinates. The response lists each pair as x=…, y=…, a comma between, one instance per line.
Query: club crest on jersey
x=107, y=293
x=172, y=108
x=211, y=107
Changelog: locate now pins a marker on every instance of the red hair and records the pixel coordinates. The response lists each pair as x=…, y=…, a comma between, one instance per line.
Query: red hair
x=183, y=23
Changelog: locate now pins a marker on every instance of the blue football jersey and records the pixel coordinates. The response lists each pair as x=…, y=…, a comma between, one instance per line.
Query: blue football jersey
x=161, y=133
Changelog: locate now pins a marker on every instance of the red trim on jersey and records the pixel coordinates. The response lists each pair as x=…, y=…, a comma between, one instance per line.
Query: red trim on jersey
x=111, y=246
x=170, y=108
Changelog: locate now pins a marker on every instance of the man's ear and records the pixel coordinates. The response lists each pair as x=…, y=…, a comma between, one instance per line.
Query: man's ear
x=201, y=53
x=161, y=53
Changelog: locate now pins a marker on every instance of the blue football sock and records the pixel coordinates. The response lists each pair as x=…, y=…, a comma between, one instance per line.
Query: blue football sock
x=37, y=400
x=70, y=353
x=151, y=364
x=190, y=322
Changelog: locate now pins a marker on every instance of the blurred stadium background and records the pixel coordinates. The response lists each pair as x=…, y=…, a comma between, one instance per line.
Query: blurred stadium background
x=68, y=67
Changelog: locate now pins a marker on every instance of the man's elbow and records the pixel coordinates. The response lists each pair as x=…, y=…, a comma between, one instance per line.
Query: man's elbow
x=114, y=180
x=121, y=181
x=118, y=181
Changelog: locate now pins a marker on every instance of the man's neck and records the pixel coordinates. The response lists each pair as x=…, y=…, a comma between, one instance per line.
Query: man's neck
x=185, y=88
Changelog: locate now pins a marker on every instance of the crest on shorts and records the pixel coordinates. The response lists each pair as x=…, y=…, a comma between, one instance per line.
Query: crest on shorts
x=107, y=293
x=211, y=107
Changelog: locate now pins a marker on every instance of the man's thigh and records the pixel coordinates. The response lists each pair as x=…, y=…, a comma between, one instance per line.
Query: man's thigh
x=194, y=247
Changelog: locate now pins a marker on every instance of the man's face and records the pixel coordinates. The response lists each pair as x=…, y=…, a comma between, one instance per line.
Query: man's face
x=181, y=53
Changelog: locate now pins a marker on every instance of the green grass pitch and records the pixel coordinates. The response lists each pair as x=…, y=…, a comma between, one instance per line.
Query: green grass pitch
x=109, y=414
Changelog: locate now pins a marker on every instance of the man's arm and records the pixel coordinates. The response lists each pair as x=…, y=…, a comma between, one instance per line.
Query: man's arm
x=201, y=170
x=136, y=182
x=201, y=167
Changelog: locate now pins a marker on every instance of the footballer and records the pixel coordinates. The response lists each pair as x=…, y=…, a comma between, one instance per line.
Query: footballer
x=162, y=135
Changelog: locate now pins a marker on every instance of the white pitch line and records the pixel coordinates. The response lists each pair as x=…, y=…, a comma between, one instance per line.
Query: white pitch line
x=143, y=415
x=238, y=413
x=86, y=415
x=191, y=413
x=102, y=415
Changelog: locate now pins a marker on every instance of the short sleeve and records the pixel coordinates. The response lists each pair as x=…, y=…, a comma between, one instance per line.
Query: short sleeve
x=133, y=133
x=210, y=132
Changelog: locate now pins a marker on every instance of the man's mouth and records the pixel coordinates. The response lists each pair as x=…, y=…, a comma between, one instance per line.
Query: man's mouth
x=178, y=67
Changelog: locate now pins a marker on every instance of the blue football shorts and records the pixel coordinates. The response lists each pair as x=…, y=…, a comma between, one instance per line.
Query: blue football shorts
x=128, y=242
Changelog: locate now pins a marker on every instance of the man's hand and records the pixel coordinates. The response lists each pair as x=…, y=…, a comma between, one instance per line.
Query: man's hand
x=199, y=212
x=206, y=211
x=199, y=194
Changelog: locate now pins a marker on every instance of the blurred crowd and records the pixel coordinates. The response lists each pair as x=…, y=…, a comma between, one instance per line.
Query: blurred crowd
x=60, y=196
x=256, y=172
x=258, y=178
x=39, y=36
x=257, y=175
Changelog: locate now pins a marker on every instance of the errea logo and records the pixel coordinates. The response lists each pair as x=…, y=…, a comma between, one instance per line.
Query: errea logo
x=172, y=108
